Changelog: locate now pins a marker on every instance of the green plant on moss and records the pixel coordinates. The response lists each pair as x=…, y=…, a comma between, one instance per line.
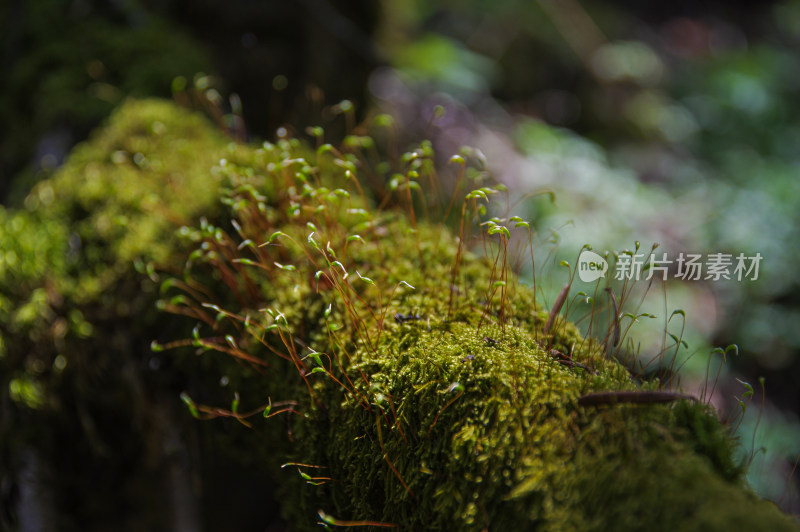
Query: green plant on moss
x=421, y=386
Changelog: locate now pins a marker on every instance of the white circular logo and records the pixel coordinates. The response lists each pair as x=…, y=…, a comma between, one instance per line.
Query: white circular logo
x=591, y=266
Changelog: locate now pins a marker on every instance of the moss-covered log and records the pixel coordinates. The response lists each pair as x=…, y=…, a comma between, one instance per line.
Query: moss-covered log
x=400, y=379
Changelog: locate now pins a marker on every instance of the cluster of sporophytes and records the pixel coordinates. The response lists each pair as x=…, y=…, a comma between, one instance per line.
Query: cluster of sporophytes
x=401, y=372
x=408, y=378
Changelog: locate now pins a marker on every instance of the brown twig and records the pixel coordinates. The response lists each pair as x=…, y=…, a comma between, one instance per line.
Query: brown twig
x=613, y=297
x=562, y=296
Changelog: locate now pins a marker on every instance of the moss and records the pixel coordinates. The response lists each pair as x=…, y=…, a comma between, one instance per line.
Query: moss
x=77, y=318
x=117, y=201
x=428, y=401
x=410, y=391
x=658, y=479
x=489, y=434
x=123, y=193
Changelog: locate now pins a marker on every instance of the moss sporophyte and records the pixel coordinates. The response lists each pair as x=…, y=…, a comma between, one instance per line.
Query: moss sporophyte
x=402, y=373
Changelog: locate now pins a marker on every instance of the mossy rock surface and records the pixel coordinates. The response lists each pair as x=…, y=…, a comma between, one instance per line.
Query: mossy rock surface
x=410, y=379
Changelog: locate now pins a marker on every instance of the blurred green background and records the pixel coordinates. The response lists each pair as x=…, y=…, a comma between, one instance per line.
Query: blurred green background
x=675, y=123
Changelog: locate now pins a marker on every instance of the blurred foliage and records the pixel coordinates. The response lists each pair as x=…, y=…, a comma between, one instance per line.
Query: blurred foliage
x=68, y=64
x=285, y=61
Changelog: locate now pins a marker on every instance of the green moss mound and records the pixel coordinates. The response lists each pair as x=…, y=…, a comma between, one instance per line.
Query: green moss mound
x=415, y=380
x=400, y=379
